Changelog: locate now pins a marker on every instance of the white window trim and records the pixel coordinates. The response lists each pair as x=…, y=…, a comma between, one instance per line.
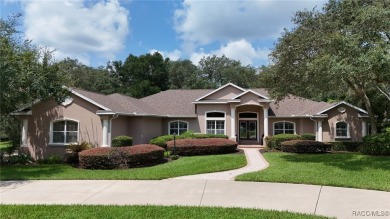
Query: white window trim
x=169, y=125
x=51, y=131
x=284, y=121
x=214, y=119
x=342, y=137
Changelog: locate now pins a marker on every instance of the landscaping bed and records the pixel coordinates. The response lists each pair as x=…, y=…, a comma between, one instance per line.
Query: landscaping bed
x=181, y=167
x=114, y=157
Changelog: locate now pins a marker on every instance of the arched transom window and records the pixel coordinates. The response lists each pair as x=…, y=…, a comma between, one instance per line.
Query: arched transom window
x=178, y=127
x=64, y=132
x=284, y=127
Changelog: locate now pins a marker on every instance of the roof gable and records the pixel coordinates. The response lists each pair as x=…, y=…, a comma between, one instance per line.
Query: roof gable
x=252, y=92
x=345, y=103
x=228, y=91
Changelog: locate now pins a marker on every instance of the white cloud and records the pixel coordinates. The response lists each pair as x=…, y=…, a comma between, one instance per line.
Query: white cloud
x=172, y=55
x=77, y=28
x=240, y=50
x=203, y=22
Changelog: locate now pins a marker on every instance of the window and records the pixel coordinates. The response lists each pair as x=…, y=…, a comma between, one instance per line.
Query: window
x=342, y=130
x=284, y=128
x=215, y=123
x=64, y=132
x=178, y=127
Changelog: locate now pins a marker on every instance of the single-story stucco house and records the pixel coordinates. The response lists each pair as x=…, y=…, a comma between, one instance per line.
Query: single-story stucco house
x=245, y=115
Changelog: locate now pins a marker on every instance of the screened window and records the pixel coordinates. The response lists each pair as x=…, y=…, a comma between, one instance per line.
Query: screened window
x=65, y=132
x=284, y=128
x=215, y=123
x=178, y=127
x=342, y=129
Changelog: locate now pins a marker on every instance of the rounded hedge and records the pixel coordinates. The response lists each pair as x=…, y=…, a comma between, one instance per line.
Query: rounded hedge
x=377, y=144
x=190, y=147
x=162, y=140
x=274, y=142
x=304, y=146
x=111, y=158
x=122, y=141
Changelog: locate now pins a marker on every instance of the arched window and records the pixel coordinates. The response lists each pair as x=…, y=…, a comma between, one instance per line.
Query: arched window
x=215, y=123
x=64, y=132
x=284, y=128
x=178, y=127
x=342, y=129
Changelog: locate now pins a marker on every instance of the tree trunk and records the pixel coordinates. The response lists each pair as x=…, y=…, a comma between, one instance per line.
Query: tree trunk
x=362, y=94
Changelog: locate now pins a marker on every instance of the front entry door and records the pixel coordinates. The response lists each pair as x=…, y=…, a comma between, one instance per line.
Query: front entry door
x=248, y=130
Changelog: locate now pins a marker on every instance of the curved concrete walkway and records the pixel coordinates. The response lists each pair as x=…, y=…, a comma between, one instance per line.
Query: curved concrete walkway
x=255, y=162
x=320, y=200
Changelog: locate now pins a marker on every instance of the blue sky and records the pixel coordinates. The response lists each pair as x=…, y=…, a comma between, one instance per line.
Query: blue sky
x=96, y=31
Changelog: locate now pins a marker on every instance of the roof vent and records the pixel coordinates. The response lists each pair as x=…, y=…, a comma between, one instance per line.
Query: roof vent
x=341, y=109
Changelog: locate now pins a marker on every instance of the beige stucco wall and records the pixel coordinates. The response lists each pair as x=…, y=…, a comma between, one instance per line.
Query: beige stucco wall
x=226, y=93
x=350, y=116
x=38, y=137
x=302, y=125
x=140, y=128
x=193, y=124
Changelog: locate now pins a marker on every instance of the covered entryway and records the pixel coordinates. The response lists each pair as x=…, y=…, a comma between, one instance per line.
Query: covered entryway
x=248, y=129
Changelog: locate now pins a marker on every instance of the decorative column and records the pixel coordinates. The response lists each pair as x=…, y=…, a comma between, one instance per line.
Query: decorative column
x=364, y=128
x=233, y=123
x=105, y=133
x=24, y=133
x=319, y=130
x=265, y=110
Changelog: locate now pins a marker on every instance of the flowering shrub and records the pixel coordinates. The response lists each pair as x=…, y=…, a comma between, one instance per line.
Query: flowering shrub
x=111, y=158
x=188, y=147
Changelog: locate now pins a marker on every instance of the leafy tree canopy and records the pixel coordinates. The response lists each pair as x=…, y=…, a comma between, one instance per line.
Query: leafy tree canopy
x=27, y=71
x=342, y=50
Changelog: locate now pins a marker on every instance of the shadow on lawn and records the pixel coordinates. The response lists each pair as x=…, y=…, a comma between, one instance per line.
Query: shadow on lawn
x=21, y=172
x=347, y=161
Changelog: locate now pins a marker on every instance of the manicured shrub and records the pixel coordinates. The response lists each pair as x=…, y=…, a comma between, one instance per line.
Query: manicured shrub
x=304, y=146
x=122, y=141
x=162, y=140
x=190, y=147
x=308, y=136
x=99, y=158
x=111, y=158
x=274, y=142
x=72, y=151
x=345, y=146
x=377, y=144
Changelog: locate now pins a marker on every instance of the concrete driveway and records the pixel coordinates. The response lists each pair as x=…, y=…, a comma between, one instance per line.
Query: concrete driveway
x=320, y=200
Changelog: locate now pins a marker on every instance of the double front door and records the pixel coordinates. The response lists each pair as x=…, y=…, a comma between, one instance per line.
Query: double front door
x=248, y=130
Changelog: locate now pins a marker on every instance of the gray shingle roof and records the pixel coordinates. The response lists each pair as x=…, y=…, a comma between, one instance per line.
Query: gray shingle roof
x=180, y=103
x=175, y=102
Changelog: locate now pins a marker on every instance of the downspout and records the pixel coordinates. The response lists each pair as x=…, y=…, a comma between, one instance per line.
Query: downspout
x=113, y=117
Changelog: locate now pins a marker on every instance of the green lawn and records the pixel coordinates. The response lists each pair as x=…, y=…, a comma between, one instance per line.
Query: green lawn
x=5, y=144
x=98, y=211
x=182, y=166
x=343, y=170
